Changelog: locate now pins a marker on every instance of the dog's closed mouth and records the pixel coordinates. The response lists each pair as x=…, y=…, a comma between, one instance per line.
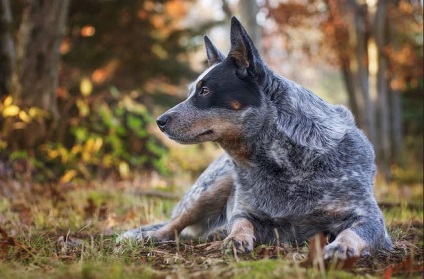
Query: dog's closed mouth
x=190, y=138
x=207, y=132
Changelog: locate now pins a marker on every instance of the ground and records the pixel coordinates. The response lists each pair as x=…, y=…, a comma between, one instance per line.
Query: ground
x=69, y=230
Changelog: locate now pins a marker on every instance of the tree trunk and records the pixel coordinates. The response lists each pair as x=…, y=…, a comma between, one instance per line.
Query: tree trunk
x=344, y=53
x=395, y=100
x=7, y=48
x=383, y=88
x=248, y=10
x=361, y=23
x=35, y=78
x=396, y=121
x=349, y=81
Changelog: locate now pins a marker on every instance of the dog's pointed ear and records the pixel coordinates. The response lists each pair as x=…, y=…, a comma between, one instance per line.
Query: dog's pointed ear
x=214, y=55
x=242, y=49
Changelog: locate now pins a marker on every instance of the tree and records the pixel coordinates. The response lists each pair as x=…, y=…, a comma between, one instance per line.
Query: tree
x=7, y=51
x=361, y=40
x=382, y=86
x=99, y=68
x=127, y=44
x=35, y=75
x=249, y=10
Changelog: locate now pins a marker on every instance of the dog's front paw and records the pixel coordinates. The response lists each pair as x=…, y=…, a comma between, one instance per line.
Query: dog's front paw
x=347, y=245
x=340, y=251
x=131, y=235
x=240, y=242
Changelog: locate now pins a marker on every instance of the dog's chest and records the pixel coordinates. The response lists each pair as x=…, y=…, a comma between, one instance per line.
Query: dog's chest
x=274, y=195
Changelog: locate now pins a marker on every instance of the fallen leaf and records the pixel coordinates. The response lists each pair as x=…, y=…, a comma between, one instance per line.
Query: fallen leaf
x=388, y=273
x=7, y=242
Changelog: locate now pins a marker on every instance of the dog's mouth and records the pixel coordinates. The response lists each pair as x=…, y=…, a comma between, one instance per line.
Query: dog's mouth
x=191, y=139
x=205, y=133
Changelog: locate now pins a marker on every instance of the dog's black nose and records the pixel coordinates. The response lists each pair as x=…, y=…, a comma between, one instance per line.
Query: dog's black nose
x=161, y=121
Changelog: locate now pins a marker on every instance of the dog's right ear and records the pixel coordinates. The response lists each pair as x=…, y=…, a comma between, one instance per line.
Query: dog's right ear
x=214, y=55
x=243, y=51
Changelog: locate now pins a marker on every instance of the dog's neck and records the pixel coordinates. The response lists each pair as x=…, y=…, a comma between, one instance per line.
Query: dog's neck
x=239, y=151
x=265, y=134
x=244, y=147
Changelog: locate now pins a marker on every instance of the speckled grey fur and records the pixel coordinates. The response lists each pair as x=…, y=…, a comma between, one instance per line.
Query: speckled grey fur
x=308, y=168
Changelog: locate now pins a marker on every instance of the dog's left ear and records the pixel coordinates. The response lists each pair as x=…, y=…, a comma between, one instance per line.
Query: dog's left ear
x=242, y=49
x=214, y=55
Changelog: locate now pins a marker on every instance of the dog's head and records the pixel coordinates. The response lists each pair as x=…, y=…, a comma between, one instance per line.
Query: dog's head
x=224, y=102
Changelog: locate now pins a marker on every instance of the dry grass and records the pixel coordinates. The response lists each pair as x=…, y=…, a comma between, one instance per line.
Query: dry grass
x=68, y=231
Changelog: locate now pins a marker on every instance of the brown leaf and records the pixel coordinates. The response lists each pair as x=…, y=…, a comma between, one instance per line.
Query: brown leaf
x=407, y=266
x=103, y=210
x=7, y=242
x=315, y=255
x=344, y=264
x=213, y=245
x=92, y=209
x=388, y=273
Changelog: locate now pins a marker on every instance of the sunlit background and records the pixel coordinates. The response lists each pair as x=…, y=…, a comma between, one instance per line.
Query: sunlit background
x=83, y=105
x=82, y=82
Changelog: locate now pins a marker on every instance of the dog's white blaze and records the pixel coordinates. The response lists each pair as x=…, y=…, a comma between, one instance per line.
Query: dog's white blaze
x=192, y=86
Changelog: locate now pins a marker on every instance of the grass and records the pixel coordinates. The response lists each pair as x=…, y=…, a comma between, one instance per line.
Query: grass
x=69, y=230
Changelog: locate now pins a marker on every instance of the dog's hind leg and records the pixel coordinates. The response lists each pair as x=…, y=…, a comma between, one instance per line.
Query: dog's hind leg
x=201, y=210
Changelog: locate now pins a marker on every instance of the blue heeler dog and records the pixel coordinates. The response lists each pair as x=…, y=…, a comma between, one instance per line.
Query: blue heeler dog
x=293, y=166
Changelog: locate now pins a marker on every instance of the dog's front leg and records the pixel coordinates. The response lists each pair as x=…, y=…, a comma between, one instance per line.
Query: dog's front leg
x=367, y=233
x=241, y=237
x=347, y=244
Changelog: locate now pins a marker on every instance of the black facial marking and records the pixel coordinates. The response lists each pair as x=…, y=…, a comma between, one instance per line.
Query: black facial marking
x=227, y=89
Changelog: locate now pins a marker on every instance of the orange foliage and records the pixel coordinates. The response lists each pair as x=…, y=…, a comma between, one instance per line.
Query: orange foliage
x=168, y=19
x=176, y=9
x=101, y=74
x=88, y=31
x=405, y=50
x=334, y=19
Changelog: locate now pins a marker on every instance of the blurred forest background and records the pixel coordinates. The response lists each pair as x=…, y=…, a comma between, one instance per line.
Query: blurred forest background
x=81, y=81
x=81, y=158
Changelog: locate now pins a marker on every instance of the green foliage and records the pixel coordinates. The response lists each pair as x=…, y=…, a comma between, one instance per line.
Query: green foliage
x=106, y=135
x=112, y=135
x=140, y=47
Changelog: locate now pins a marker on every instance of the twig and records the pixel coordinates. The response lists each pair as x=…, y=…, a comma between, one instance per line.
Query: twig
x=158, y=194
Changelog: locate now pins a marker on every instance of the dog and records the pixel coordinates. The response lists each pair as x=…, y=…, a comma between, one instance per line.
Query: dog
x=293, y=166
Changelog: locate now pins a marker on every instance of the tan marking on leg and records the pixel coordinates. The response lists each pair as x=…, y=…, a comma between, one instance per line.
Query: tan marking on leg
x=242, y=227
x=209, y=202
x=351, y=239
x=347, y=244
x=241, y=236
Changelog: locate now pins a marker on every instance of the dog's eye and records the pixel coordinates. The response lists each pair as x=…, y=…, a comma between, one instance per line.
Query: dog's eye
x=204, y=91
